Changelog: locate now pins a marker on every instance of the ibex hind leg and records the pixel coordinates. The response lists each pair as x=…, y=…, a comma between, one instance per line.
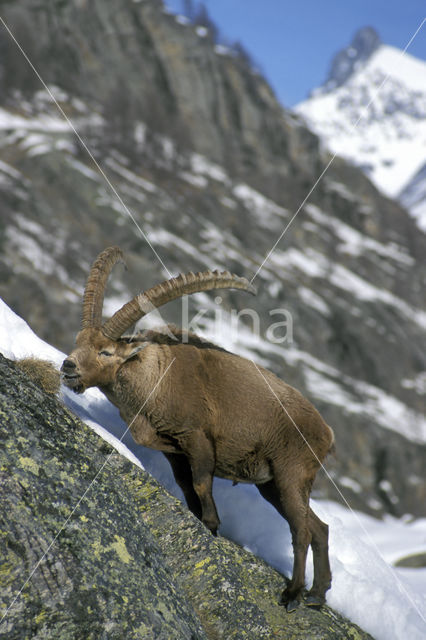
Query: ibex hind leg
x=292, y=504
x=322, y=573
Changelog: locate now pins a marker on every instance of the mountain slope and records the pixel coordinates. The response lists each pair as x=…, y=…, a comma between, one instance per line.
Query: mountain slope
x=375, y=114
x=147, y=570
x=212, y=170
x=373, y=545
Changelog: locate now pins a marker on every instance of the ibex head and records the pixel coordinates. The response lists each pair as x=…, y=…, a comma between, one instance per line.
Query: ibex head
x=100, y=350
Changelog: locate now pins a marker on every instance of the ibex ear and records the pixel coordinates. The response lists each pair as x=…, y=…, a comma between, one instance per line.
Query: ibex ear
x=134, y=351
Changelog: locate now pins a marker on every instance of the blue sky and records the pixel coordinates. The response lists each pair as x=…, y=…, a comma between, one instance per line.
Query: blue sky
x=294, y=42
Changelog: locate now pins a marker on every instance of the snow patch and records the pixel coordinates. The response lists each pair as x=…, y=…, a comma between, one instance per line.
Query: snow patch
x=317, y=265
x=268, y=213
x=363, y=399
x=354, y=242
x=83, y=169
x=164, y=238
x=130, y=176
x=351, y=484
x=201, y=165
x=313, y=300
x=43, y=123
x=196, y=180
x=183, y=20
x=418, y=383
x=221, y=50
x=201, y=31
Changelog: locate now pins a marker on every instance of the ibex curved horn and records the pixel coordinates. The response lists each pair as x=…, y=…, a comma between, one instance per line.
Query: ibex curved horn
x=145, y=302
x=95, y=287
x=170, y=290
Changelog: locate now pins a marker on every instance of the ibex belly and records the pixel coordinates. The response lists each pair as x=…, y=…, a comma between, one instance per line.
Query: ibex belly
x=251, y=469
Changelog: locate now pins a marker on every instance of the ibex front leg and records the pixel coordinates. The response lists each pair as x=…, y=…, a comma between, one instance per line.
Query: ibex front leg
x=200, y=453
x=145, y=434
x=183, y=476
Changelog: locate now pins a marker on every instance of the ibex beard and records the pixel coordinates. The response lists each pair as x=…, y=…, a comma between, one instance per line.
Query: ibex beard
x=213, y=414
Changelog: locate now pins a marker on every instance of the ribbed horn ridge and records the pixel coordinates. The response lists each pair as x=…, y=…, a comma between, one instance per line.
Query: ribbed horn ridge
x=170, y=290
x=95, y=287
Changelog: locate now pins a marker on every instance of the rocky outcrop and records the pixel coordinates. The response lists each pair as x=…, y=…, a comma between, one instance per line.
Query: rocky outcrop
x=93, y=547
x=350, y=59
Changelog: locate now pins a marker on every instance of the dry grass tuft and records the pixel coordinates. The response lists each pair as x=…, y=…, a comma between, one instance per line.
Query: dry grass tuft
x=42, y=372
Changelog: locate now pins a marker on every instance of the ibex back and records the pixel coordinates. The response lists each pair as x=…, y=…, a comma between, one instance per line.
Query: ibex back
x=209, y=411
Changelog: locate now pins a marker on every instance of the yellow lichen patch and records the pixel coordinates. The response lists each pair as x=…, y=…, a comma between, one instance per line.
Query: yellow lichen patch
x=29, y=465
x=119, y=546
x=84, y=519
x=6, y=568
x=65, y=477
x=202, y=563
x=200, y=566
x=41, y=617
x=97, y=548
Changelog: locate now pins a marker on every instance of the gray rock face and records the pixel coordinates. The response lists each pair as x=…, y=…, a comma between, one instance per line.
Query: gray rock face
x=413, y=196
x=92, y=547
x=203, y=163
x=74, y=568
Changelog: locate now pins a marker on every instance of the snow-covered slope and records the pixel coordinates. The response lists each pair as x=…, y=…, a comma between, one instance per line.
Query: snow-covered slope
x=377, y=119
x=362, y=548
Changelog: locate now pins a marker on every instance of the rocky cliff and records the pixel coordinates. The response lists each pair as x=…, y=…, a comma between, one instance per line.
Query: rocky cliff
x=196, y=156
x=92, y=547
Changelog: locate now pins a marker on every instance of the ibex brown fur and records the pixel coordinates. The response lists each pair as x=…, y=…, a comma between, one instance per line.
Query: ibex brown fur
x=209, y=411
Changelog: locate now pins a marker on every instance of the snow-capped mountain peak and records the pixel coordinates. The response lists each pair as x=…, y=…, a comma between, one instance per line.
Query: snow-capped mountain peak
x=351, y=58
x=376, y=117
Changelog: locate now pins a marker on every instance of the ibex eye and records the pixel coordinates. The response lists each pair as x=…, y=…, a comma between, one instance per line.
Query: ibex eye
x=105, y=353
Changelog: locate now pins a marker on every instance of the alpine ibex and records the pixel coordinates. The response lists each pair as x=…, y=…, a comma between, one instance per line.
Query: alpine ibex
x=209, y=411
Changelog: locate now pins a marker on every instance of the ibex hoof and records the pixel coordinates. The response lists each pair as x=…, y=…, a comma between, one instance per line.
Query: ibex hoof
x=211, y=527
x=289, y=600
x=292, y=605
x=314, y=601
